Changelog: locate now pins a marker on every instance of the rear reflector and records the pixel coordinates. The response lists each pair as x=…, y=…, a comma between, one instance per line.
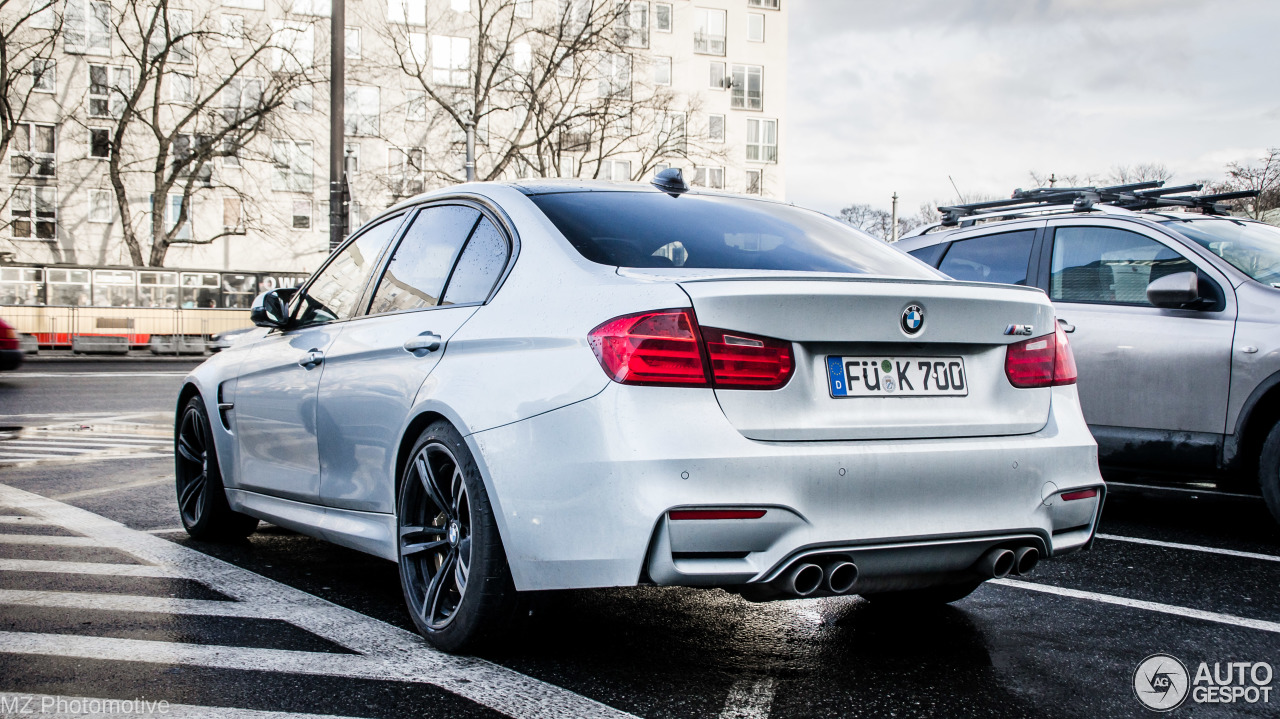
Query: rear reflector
x=678, y=514
x=1081, y=494
x=1040, y=361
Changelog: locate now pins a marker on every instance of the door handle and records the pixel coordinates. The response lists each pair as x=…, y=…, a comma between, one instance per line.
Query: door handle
x=1066, y=326
x=425, y=342
x=311, y=359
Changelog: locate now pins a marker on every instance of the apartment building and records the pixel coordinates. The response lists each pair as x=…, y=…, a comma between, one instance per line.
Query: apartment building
x=698, y=84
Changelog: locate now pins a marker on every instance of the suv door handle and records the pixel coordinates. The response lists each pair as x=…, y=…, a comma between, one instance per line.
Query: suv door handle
x=1066, y=326
x=311, y=359
x=425, y=342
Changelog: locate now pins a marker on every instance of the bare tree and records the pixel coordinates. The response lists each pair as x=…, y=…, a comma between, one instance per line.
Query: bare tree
x=190, y=91
x=1263, y=176
x=28, y=30
x=1141, y=172
x=878, y=222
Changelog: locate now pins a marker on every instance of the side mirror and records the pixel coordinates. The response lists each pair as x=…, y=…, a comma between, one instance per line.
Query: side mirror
x=1174, y=291
x=271, y=309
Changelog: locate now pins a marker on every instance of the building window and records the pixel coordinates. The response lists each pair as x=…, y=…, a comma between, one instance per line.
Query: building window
x=360, y=115
x=353, y=42
x=300, y=98
x=86, y=26
x=44, y=73
x=615, y=75
x=708, y=31
x=715, y=128
x=616, y=170
x=521, y=57
x=99, y=143
x=718, y=80
x=662, y=71
x=768, y=4
x=108, y=89
x=233, y=30
x=232, y=213
x=748, y=87
x=292, y=166
x=405, y=166
x=712, y=177
x=460, y=5
x=415, y=56
x=524, y=8
x=351, y=157
x=293, y=46
x=762, y=140
x=33, y=151
x=662, y=17
x=230, y=152
x=755, y=179
x=173, y=210
x=415, y=108
x=632, y=28
x=407, y=12
x=319, y=8
x=241, y=96
x=450, y=60
x=182, y=88
x=175, y=40
x=671, y=136
x=246, y=4
x=755, y=27
x=100, y=202
x=33, y=212
x=302, y=214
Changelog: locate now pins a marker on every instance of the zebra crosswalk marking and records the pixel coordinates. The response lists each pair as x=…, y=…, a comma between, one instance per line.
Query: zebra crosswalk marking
x=103, y=439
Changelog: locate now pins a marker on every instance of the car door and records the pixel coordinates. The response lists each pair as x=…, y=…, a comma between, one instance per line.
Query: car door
x=442, y=270
x=1144, y=372
x=275, y=395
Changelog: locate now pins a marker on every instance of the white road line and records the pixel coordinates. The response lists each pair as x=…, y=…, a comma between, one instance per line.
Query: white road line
x=21, y=448
x=129, y=603
x=388, y=652
x=167, y=530
x=54, y=706
x=46, y=375
x=23, y=457
x=1219, y=618
x=88, y=439
x=749, y=699
x=47, y=540
x=1191, y=547
x=116, y=487
x=81, y=458
x=1187, y=490
x=13, y=519
x=99, y=568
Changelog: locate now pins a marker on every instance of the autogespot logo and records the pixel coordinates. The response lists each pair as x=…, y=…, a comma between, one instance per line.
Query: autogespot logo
x=1161, y=682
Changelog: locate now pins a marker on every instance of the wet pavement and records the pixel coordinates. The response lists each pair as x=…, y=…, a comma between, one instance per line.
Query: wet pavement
x=289, y=624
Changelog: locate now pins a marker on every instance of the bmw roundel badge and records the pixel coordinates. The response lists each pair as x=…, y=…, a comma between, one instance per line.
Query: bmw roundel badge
x=912, y=319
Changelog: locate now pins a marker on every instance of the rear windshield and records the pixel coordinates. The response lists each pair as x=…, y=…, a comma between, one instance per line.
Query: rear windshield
x=651, y=229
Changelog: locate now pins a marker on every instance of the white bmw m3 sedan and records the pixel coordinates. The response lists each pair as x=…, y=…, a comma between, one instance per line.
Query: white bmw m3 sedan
x=545, y=385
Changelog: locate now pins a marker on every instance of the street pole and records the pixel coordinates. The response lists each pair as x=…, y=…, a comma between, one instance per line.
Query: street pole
x=893, y=220
x=337, y=99
x=470, y=164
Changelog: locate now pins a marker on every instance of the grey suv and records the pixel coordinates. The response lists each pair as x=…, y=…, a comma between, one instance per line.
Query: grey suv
x=1173, y=315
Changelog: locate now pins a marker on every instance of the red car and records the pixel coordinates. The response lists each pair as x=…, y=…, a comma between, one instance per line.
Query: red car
x=10, y=354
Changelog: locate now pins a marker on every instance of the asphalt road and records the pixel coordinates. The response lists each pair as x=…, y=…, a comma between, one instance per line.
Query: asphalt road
x=317, y=629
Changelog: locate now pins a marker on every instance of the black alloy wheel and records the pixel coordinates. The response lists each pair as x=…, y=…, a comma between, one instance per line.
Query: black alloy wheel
x=202, y=501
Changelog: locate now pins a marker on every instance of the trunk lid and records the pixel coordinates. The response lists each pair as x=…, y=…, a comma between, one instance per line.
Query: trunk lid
x=862, y=319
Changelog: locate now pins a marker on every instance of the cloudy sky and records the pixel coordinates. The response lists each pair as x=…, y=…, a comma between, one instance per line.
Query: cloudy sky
x=895, y=95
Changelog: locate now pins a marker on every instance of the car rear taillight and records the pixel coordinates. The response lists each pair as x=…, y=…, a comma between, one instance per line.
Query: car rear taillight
x=1040, y=361
x=8, y=337
x=668, y=348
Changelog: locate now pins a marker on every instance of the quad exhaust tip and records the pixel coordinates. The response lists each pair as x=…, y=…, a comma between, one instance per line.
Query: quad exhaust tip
x=1025, y=559
x=840, y=577
x=996, y=563
x=803, y=579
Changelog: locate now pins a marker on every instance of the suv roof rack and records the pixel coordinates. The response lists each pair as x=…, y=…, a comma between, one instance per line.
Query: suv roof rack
x=1132, y=196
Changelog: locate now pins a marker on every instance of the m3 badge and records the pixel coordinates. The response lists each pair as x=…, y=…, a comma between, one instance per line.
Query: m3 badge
x=1023, y=330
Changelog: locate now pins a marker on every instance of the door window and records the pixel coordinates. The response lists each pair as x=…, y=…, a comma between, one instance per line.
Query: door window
x=336, y=290
x=1110, y=266
x=999, y=258
x=417, y=272
x=479, y=266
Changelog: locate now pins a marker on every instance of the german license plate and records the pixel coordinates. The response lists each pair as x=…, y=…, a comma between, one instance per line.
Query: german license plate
x=897, y=377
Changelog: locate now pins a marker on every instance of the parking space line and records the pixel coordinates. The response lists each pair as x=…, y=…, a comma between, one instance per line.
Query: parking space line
x=55, y=706
x=1219, y=618
x=749, y=698
x=47, y=540
x=99, y=568
x=384, y=651
x=133, y=603
x=1191, y=547
x=1187, y=490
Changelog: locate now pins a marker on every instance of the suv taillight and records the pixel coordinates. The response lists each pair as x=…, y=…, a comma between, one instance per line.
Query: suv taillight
x=1040, y=361
x=668, y=348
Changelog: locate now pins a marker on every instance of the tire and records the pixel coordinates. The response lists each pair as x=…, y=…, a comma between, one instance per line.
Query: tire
x=927, y=597
x=453, y=570
x=1269, y=471
x=202, y=500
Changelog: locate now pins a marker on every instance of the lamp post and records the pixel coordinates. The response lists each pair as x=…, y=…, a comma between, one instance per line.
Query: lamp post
x=337, y=98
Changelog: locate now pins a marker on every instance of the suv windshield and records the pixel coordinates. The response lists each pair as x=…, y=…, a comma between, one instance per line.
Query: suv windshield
x=651, y=229
x=1253, y=248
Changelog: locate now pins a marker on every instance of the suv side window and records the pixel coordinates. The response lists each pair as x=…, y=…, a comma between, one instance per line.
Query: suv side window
x=930, y=254
x=1002, y=258
x=415, y=277
x=336, y=290
x=1109, y=266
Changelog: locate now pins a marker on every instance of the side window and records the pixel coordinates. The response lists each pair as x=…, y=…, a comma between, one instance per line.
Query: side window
x=1103, y=264
x=479, y=267
x=416, y=275
x=929, y=255
x=999, y=258
x=336, y=290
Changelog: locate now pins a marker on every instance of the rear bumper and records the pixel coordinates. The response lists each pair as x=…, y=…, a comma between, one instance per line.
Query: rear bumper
x=10, y=359
x=583, y=495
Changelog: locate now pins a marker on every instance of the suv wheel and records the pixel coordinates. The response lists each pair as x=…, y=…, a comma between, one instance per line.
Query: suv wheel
x=1269, y=471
